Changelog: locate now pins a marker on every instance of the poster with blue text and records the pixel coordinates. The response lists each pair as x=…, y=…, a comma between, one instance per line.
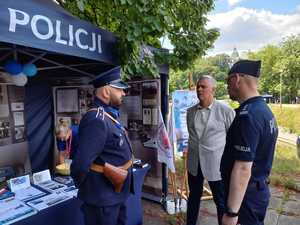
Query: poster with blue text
x=181, y=101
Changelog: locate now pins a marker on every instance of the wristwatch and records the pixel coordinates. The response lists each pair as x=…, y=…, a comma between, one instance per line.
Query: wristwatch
x=230, y=213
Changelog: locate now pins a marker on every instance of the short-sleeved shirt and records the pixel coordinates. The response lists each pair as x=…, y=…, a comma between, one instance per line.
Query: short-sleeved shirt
x=251, y=138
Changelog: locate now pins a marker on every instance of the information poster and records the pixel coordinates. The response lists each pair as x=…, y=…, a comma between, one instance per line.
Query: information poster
x=181, y=101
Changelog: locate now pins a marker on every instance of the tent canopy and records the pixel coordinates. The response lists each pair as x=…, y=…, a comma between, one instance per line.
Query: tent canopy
x=43, y=33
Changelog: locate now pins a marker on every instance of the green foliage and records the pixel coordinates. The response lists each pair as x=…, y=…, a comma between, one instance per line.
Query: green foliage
x=233, y=104
x=221, y=91
x=269, y=79
x=288, y=117
x=216, y=66
x=137, y=23
x=280, y=63
x=178, y=80
x=286, y=167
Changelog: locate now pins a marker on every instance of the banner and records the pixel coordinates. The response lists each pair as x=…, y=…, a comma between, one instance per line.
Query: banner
x=181, y=101
x=43, y=24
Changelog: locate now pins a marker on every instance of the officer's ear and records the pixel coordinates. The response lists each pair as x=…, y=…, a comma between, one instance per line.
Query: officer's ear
x=103, y=93
x=106, y=92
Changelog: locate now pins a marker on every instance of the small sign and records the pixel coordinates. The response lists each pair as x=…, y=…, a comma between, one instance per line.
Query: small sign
x=41, y=177
x=18, y=183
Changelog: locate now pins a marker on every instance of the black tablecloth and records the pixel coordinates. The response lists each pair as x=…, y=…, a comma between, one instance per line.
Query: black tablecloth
x=68, y=212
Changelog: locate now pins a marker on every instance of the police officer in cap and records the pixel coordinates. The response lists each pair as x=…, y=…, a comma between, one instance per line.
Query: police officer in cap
x=102, y=143
x=249, y=150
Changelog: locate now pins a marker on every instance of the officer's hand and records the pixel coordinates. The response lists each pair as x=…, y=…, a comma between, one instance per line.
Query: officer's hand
x=226, y=220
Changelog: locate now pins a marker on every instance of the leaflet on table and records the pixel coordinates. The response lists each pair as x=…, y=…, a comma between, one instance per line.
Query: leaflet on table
x=14, y=210
x=43, y=180
x=28, y=194
x=52, y=186
x=6, y=194
x=22, y=188
x=48, y=201
x=67, y=180
x=71, y=191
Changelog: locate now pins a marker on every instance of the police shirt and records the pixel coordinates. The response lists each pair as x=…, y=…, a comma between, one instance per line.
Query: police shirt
x=100, y=140
x=251, y=138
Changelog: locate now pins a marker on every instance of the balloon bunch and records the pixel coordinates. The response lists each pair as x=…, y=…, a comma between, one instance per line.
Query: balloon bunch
x=19, y=72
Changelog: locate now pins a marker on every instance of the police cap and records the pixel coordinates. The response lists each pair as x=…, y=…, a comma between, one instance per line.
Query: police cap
x=111, y=77
x=248, y=67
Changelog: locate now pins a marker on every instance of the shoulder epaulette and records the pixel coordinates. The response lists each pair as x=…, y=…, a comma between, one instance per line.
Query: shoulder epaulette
x=99, y=112
x=244, y=110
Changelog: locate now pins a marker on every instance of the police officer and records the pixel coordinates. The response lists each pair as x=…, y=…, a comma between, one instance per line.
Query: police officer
x=249, y=150
x=103, y=141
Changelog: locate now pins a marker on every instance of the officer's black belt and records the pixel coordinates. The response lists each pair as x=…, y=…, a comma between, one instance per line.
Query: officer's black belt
x=100, y=168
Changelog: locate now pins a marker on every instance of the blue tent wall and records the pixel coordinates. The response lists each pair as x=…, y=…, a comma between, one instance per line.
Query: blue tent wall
x=39, y=125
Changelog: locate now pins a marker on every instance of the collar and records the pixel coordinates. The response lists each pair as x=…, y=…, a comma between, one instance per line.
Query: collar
x=113, y=111
x=250, y=100
x=98, y=102
x=209, y=107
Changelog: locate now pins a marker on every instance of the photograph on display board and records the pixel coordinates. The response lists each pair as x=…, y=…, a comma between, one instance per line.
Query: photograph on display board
x=5, y=131
x=86, y=97
x=67, y=100
x=4, y=108
x=17, y=106
x=16, y=94
x=19, y=133
x=18, y=118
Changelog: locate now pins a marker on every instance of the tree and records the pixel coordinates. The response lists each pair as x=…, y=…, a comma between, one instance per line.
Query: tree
x=216, y=66
x=137, y=23
x=280, y=68
x=289, y=67
x=269, y=78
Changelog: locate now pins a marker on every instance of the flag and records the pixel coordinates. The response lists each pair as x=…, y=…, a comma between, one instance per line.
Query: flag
x=164, y=147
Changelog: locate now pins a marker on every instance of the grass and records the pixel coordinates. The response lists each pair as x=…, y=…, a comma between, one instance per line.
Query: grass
x=288, y=117
x=285, y=170
x=286, y=167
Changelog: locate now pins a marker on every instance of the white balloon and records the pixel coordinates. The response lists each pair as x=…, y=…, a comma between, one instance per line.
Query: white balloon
x=5, y=77
x=19, y=80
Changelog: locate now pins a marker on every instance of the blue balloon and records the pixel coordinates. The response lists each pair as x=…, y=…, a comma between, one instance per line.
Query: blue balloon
x=29, y=70
x=13, y=67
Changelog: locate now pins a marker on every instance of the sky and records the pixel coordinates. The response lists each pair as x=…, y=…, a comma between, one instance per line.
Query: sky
x=252, y=24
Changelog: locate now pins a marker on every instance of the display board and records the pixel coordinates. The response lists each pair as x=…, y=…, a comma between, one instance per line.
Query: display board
x=140, y=114
x=70, y=104
x=14, y=158
x=12, y=124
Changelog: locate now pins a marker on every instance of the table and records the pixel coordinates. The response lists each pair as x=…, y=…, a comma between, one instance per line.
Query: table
x=68, y=212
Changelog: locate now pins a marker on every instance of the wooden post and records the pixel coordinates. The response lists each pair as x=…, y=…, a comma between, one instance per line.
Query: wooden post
x=191, y=83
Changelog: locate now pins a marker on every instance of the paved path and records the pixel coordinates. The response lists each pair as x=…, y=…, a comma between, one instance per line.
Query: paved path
x=287, y=137
x=284, y=209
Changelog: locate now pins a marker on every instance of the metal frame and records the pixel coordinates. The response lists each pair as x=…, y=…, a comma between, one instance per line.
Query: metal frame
x=41, y=55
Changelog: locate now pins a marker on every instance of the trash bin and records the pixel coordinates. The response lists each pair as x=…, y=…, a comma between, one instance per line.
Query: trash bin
x=298, y=147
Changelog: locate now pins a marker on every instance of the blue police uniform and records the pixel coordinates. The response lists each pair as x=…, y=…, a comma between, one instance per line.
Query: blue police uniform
x=101, y=140
x=62, y=144
x=251, y=138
